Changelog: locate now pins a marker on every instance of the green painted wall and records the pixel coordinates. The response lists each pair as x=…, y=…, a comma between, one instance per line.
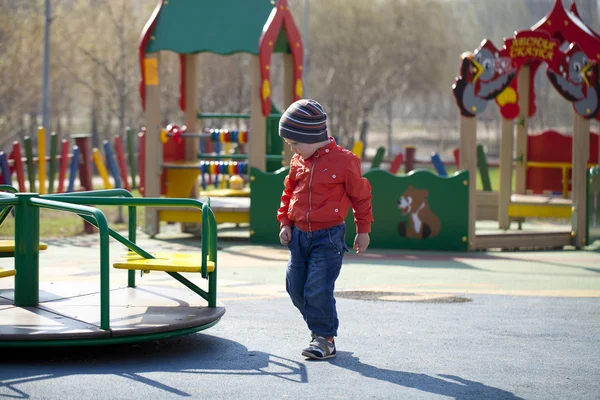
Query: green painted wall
x=446, y=198
x=443, y=228
x=265, y=196
x=274, y=141
x=215, y=26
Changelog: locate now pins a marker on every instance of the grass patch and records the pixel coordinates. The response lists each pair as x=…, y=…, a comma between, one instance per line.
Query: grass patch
x=57, y=224
x=493, y=171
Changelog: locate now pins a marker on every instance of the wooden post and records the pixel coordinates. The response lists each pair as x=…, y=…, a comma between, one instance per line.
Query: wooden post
x=192, y=145
x=153, y=150
x=506, y=167
x=42, y=159
x=522, y=128
x=16, y=154
x=409, y=158
x=468, y=161
x=62, y=170
x=581, y=151
x=257, y=137
x=82, y=141
x=288, y=99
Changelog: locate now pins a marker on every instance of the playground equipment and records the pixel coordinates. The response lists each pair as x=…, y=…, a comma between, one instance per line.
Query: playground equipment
x=506, y=75
x=214, y=168
x=417, y=213
x=116, y=315
x=258, y=28
x=422, y=210
x=80, y=165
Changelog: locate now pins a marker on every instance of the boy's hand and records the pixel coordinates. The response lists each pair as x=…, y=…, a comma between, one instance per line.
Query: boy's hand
x=361, y=242
x=285, y=235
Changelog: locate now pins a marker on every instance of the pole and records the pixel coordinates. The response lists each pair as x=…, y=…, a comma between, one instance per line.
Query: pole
x=305, y=45
x=46, y=71
x=27, y=251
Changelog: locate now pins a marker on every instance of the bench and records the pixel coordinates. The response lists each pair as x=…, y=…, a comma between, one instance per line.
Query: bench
x=7, y=249
x=535, y=206
x=4, y=273
x=8, y=246
x=165, y=262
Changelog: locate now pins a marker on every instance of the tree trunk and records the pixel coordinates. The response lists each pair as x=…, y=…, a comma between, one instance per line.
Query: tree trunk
x=94, y=123
x=364, y=127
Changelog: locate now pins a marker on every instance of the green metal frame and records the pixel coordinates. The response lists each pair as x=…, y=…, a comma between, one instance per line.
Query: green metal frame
x=132, y=219
x=27, y=228
x=6, y=210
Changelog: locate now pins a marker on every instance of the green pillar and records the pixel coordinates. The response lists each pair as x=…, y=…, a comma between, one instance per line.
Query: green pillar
x=53, y=152
x=27, y=251
x=131, y=156
x=132, y=226
x=30, y=166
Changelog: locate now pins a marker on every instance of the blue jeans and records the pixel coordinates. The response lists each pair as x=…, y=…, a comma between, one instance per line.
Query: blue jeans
x=314, y=265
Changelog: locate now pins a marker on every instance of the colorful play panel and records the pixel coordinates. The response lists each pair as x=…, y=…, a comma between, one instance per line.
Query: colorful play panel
x=553, y=171
x=33, y=313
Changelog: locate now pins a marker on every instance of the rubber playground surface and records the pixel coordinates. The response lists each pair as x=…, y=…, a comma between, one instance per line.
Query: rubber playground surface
x=419, y=325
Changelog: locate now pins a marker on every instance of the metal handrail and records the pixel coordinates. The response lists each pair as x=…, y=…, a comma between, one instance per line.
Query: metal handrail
x=209, y=243
x=102, y=225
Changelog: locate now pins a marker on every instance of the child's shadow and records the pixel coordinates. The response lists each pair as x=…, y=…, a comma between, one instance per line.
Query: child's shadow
x=451, y=386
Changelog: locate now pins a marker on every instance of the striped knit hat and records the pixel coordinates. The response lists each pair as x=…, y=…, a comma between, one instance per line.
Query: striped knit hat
x=304, y=121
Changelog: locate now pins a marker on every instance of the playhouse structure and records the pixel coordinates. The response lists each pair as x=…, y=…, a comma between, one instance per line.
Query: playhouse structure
x=410, y=211
x=259, y=28
x=546, y=163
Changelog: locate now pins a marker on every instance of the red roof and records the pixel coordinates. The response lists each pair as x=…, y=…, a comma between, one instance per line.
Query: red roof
x=568, y=26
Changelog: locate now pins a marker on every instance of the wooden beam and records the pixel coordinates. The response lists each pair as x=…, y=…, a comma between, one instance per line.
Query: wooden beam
x=258, y=124
x=191, y=106
x=522, y=128
x=190, y=118
x=468, y=161
x=523, y=240
x=581, y=151
x=288, y=99
x=153, y=154
x=506, y=172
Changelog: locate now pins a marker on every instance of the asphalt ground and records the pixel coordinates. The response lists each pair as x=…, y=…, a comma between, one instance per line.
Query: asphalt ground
x=413, y=325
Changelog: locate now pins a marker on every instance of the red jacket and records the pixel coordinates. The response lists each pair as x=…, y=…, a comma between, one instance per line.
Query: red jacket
x=319, y=191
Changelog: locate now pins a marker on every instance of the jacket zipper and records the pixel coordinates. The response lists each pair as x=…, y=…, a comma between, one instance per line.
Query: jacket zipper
x=312, y=170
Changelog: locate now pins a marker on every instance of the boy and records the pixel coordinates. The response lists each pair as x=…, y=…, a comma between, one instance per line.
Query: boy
x=324, y=181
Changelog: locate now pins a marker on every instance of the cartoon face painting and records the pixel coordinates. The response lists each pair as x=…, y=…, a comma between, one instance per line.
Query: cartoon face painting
x=422, y=223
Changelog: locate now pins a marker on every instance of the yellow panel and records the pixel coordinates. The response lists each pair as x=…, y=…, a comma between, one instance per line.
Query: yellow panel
x=234, y=217
x=151, y=71
x=7, y=272
x=357, y=149
x=539, y=210
x=225, y=193
x=168, y=262
x=8, y=246
x=179, y=216
x=180, y=182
